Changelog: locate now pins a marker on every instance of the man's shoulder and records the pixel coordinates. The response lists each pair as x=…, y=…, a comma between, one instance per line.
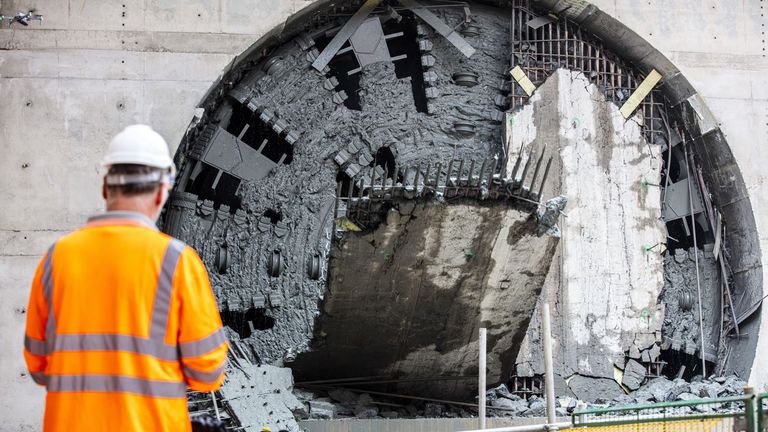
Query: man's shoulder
x=132, y=234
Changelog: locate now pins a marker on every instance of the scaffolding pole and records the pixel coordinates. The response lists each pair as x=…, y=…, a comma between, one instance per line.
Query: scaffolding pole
x=481, y=378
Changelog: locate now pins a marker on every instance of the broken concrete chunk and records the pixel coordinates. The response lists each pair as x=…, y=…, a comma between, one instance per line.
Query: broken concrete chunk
x=352, y=148
x=634, y=374
x=343, y=396
x=366, y=412
x=686, y=397
x=273, y=405
x=504, y=403
x=548, y=215
x=644, y=340
x=433, y=410
x=321, y=410
x=537, y=408
x=658, y=388
x=620, y=362
x=681, y=255
x=590, y=389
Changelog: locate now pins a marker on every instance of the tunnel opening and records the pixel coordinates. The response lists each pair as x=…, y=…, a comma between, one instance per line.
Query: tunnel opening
x=408, y=45
x=340, y=67
x=217, y=186
x=345, y=185
x=253, y=131
x=245, y=323
x=385, y=159
x=680, y=234
x=680, y=364
x=273, y=215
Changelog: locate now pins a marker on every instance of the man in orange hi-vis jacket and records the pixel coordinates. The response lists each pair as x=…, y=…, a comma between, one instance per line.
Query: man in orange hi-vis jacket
x=121, y=317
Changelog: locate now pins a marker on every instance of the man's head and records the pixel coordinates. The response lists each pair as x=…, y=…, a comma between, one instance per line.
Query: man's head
x=140, y=172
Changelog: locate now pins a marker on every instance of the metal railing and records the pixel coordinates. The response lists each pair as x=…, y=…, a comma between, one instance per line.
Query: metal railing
x=761, y=406
x=736, y=413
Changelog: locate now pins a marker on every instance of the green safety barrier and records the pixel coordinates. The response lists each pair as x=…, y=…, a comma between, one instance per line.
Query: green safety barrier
x=761, y=404
x=728, y=414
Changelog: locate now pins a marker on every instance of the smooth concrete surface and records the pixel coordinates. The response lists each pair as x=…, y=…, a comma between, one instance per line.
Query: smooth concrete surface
x=93, y=67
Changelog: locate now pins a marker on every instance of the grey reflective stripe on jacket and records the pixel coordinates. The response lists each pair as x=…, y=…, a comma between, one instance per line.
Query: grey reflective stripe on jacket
x=115, y=384
x=207, y=377
x=50, y=327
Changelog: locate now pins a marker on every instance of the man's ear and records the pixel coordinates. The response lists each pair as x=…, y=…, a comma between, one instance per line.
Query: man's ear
x=160, y=196
x=104, y=190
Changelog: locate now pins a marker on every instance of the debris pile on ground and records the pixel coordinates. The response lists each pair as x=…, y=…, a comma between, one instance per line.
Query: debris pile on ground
x=502, y=403
x=261, y=396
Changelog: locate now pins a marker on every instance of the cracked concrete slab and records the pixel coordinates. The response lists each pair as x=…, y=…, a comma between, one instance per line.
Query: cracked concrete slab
x=602, y=285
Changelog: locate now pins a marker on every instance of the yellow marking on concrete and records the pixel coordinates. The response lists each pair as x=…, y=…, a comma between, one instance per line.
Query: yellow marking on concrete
x=523, y=80
x=347, y=225
x=618, y=376
x=692, y=425
x=642, y=91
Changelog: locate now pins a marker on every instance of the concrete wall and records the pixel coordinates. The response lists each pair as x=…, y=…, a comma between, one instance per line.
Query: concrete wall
x=67, y=85
x=93, y=67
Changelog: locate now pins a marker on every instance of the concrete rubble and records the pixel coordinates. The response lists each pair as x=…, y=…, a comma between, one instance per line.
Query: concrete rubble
x=262, y=396
x=681, y=321
x=502, y=403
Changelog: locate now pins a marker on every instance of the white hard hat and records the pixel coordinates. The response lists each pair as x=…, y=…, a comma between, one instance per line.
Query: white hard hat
x=138, y=145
